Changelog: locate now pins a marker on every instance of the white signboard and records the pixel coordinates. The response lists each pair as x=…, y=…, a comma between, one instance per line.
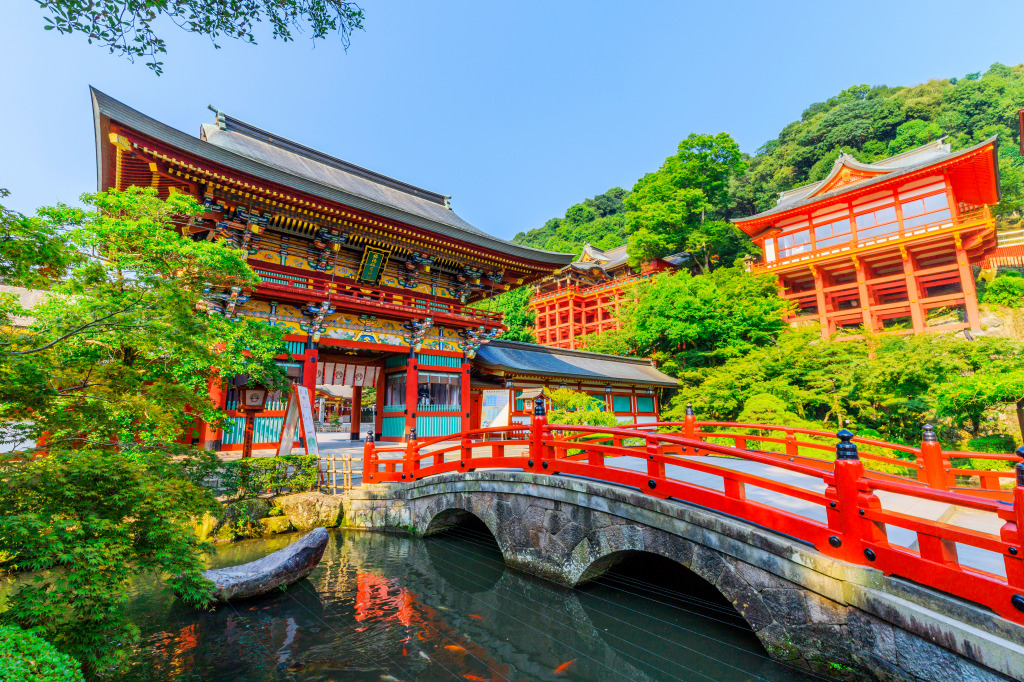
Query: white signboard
x=494, y=409
x=299, y=405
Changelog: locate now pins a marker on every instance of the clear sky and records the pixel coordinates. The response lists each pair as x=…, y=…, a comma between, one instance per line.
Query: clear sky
x=516, y=109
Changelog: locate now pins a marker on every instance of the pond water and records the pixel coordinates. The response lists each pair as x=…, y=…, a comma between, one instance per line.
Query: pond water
x=384, y=608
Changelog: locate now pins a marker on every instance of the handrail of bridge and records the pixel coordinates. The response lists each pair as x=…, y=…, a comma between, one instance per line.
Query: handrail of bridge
x=855, y=525
x=932, y=466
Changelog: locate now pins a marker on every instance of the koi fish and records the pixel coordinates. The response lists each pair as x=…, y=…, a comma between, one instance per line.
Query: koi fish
x=565, y=666
x=454, y=647
x=474, y=677
x=473, y=615
x=424, y=656
x=405, y=652
x=388, y=678
x=360, y=629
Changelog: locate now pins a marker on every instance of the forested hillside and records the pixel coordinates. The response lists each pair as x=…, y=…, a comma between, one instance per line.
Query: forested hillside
x=685, y=204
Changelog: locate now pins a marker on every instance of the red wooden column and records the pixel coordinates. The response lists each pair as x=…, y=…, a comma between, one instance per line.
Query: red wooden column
x=464, y=395
x=309, y=359
x=357, y=411
x=412, y=385
x=967, y=284
x=208, y=435
x=862, y=294
x=819, y=293
x=378, y=417
x=913, y=292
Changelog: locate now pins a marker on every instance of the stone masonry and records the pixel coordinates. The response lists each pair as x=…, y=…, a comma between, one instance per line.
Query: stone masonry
x=829, y=617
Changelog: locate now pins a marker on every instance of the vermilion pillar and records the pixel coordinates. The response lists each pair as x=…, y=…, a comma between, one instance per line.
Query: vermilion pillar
x=913, y=294
x=309, y=360
x=357, y=411
x=378, y=417
x=967, y=284
x=411, y=392
x=207, y=434
x=464, y=393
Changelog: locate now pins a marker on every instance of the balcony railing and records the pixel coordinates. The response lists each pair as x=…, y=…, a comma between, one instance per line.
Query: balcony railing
x=585, y=291
x=318, y=288
x=968, y=215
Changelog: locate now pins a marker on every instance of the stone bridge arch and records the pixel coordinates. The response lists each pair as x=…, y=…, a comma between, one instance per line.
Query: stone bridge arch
x=829, y=617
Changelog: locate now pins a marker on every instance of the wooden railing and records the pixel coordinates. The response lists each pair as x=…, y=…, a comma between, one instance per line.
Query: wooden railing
x=339, y=292
x=854, y=526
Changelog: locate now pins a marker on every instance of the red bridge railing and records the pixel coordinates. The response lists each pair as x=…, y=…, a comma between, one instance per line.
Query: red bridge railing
x=850, y=522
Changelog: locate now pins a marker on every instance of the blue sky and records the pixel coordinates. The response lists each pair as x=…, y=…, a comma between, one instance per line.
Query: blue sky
x=518, y=110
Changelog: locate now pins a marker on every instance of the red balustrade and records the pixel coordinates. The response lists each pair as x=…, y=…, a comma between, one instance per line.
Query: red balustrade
x=852, y=524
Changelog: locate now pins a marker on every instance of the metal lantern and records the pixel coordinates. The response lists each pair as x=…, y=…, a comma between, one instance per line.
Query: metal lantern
x=509, y=383
x=650, y=390
x=608, y=388
x=253, y=398
x=563, y=386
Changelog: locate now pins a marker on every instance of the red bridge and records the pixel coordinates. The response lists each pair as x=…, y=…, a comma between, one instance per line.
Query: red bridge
x=923, y=519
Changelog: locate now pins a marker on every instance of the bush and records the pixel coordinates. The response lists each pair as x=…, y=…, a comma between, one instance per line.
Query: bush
x=1006, y=290
x=252, y=476
x=999, y=443
x=24, y=656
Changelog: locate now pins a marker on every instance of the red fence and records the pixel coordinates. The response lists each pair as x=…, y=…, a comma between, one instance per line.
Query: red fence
x=851, y=524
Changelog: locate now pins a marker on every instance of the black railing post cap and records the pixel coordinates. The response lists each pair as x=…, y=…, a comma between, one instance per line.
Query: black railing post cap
x=689, y=409
x=928, y=435
x=538, y=407
x=845, y=449
x=369, y=436
x=1020, y=465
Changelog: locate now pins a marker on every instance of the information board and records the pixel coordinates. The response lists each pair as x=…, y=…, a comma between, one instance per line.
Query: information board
x=494, y=409
x=299, y=407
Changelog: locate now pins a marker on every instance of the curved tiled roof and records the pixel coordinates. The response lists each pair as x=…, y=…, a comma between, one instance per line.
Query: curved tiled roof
x=528, y=358
x=239, y=146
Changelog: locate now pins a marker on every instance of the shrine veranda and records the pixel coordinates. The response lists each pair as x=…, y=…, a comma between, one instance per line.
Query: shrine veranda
x=372, y=280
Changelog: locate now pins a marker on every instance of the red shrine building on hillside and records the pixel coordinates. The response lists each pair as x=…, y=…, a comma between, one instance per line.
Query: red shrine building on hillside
x=371, y=279
x=888, y=243
x=583, y=297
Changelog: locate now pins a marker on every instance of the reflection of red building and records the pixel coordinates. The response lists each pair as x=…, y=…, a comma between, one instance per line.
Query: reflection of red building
x=884, y=243
x=583, y=297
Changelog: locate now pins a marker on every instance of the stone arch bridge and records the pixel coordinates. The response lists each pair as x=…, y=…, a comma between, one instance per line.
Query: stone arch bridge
x=830, y=617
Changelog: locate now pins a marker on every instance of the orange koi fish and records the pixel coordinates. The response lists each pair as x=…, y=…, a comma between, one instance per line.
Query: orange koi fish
x=565, y=666
x=454, y=647
x=474, y=677
x=405, y=652
x=473, y=615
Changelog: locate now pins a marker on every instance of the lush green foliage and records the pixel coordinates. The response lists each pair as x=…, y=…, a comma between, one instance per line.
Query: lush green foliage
x=128, y=27
x=599, y=221
x=682, y=205
x=113, y=368
x=578, y=409
x=890, y=385
x=1006, y=289
x=690, y=321
x=253, y=476
x=516, y=313
x=23, y=656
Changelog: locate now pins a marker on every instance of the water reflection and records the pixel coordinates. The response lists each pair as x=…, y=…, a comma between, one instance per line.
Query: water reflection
x=382, y=608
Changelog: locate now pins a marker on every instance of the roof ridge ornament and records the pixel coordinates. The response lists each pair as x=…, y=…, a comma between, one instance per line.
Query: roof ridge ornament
x=221, y=117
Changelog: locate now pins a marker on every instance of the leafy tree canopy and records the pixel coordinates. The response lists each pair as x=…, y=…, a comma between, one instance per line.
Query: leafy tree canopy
x=129, y=27
x=95, y=394
x=516, y=313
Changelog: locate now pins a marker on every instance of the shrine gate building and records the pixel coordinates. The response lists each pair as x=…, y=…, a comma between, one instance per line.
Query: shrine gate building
x=892, y=242
x=371, y=278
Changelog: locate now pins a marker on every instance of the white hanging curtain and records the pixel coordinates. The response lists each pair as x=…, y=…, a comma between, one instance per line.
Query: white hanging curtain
x=341, y=374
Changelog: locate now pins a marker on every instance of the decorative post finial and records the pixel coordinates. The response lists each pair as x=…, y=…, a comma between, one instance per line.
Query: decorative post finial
x=928, y=435
x=369, y=436
x=538, y=407
x=1020, y=466
x=689, y=409
x=845, y=448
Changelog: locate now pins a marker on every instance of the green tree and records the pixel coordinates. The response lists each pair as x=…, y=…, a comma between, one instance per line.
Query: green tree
x=23, y=656
x=517, y=315
x=667, y=208
x=96, y=393
x=129, y=27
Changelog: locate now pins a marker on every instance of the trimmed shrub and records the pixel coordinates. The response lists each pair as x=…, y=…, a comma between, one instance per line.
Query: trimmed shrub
x=24, y=656
x=999, y=443
x=1006, y=290
x=250, y=477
